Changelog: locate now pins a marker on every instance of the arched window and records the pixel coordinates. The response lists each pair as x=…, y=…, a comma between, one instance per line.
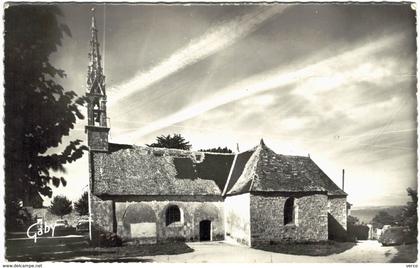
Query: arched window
x=173, y=214
x=289, y=211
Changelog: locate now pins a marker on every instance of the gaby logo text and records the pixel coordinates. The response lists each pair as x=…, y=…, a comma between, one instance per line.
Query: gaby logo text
x=38, y=229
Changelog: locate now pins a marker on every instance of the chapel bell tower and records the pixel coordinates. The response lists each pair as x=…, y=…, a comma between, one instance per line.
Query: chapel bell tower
x=97, y=129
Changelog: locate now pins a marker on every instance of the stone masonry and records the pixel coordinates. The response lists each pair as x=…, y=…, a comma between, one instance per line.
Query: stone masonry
x=337, y=207
x=267, y=219
x=151, y=214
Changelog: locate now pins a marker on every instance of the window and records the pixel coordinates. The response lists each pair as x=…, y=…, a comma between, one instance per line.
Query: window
x=173, y=214
x=199, y=157
x=289, y=211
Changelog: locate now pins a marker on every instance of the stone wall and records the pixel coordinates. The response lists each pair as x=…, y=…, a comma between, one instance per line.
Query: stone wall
x=267, y=219
x=237, y=213
x=97, y=138
x=337, y=208
x=102, y=214
x=50, y=219
x=145, y=221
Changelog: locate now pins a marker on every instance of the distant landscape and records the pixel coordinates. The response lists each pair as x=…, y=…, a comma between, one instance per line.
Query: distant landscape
x=366, y=214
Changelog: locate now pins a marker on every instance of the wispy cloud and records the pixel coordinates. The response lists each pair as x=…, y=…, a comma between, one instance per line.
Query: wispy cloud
x=346, y=68
x=216, y=39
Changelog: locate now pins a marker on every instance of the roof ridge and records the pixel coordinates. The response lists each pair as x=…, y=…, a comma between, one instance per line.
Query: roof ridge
x=268, y=155
x=230, y=174
x=259, y=150
x=249, y=166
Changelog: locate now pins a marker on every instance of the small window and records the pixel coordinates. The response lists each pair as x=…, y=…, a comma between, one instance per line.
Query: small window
x=173, y=214
x=289, y=211
x=199, y=157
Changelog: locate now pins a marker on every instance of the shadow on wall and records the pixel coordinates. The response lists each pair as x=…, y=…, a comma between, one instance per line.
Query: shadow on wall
x=336, y=232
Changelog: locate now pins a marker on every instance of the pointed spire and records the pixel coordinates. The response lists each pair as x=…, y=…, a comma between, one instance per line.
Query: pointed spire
x=93, y=18
x=262, y=142
x=96, y=79
x=97, y=130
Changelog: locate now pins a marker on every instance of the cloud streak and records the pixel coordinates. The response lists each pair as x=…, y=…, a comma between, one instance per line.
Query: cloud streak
x=343, y=67
x=214, y=40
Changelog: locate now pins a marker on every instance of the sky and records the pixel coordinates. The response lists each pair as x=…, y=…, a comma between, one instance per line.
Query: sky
x=333, y=81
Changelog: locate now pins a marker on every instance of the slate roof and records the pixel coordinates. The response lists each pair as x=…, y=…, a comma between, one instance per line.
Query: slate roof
x=238, y=167
x=135, y=170
x=266, y=171
x=319, y=177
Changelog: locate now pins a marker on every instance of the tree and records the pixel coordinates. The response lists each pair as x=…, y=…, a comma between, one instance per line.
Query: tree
x=217, y=150
x=38, y=112
x=82, y=205
x=382, y=218
x=60, y=206
x=352, y=220
x=175, y=142
x=409, y=214
x=22, y=217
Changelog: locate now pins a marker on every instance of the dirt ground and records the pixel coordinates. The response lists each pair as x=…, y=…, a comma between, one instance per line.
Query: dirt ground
x=364, y=252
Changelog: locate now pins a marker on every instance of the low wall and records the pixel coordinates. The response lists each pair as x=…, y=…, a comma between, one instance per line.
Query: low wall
x=50, y=218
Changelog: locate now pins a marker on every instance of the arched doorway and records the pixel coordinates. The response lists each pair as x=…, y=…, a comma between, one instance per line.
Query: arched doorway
x=205, y=230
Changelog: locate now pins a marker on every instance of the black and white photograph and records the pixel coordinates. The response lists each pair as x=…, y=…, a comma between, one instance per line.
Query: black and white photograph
x=198, y=132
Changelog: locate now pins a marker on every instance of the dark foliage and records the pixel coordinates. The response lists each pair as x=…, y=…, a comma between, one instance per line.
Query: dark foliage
x=217, y=150
x=101, y=238
x=22, y=217
x=357, y=230
x=396, y=235
x=352, y=220
x=410, y=211
x=408, y=216
x=382, y=218
x=60, y=206
x=360, y=231
x=38, y=111
x=82, y=205
x=406, y=254
x=174, y=142
x=110, y=240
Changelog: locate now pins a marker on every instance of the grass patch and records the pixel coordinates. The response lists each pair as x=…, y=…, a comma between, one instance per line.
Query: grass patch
x=406, y=254
x=308, y=248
